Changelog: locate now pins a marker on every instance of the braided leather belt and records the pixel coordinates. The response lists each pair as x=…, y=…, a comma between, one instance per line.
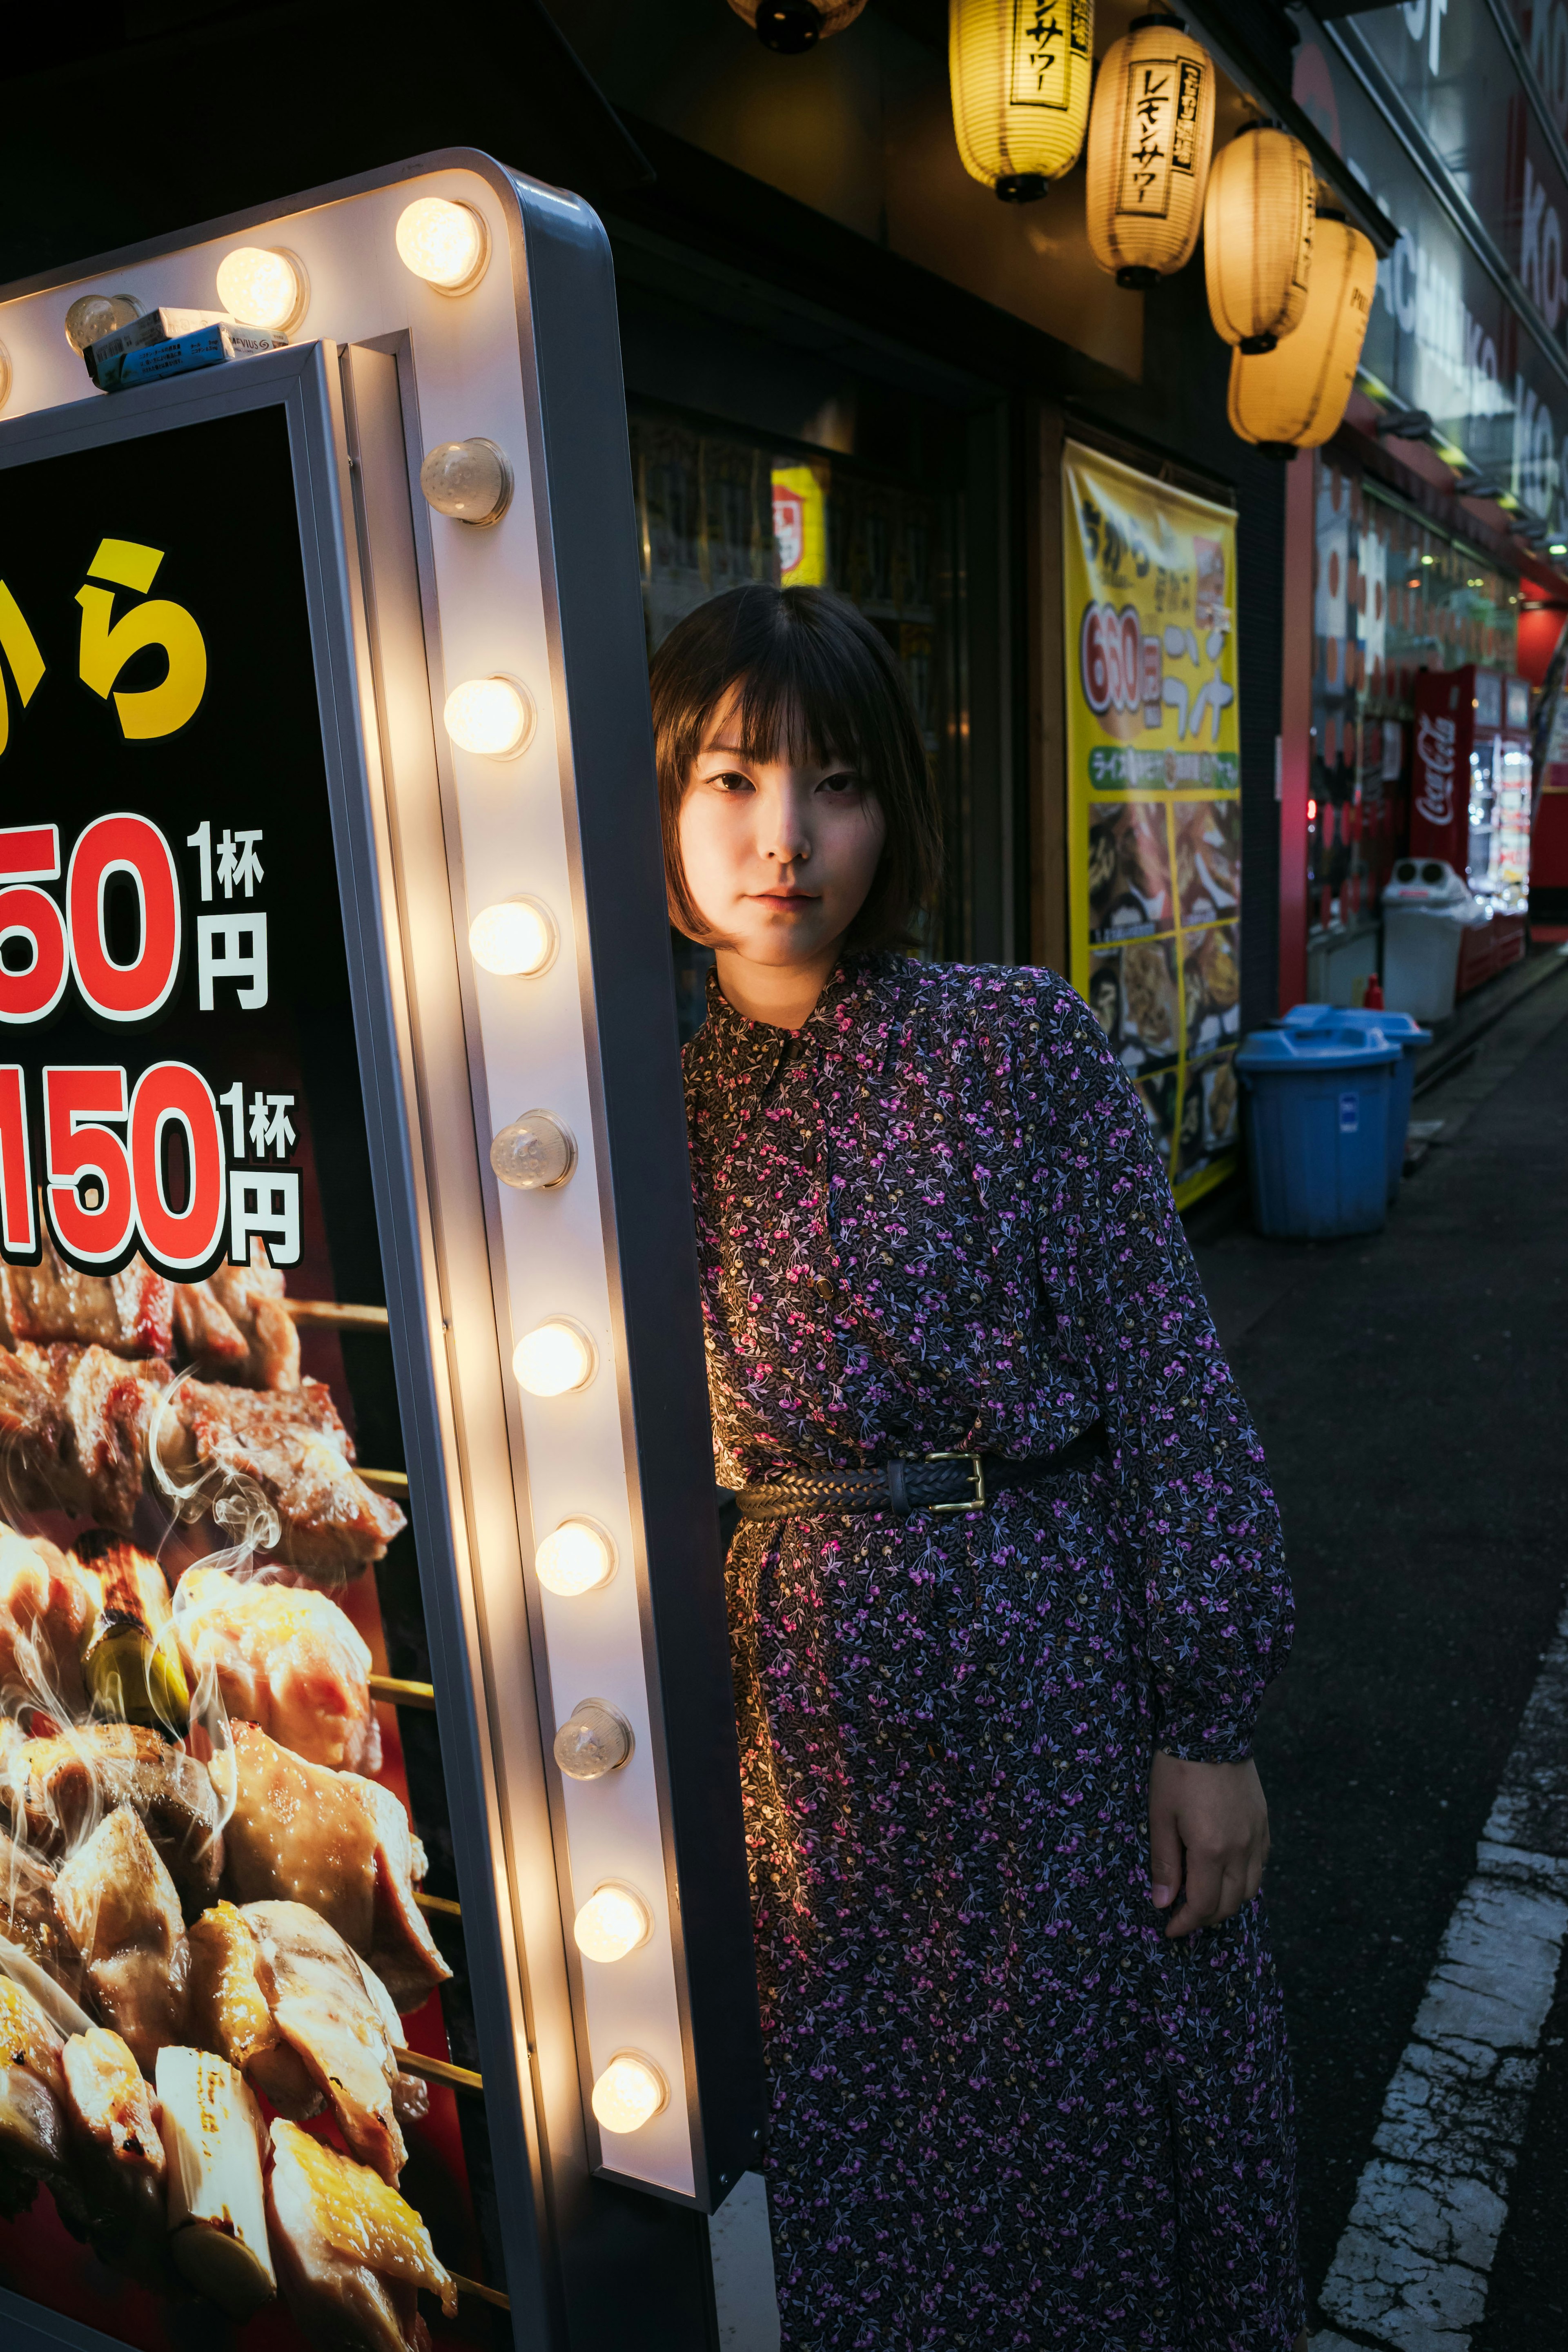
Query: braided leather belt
x=941, y=1482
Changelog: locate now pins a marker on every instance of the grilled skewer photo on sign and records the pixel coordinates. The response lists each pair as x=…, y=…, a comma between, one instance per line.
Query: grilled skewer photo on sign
x=362, y=1625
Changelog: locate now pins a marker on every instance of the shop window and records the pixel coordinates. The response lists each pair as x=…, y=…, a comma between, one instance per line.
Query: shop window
x=1391, y=596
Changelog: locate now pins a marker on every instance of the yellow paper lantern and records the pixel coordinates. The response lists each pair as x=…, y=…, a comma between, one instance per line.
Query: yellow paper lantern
x=1258, y=237
x=1020, y=72
x=1150, y=134
x=1295, y=397
x=792, y=26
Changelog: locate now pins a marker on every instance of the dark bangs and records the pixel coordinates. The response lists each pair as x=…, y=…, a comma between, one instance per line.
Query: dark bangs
x=813, y=680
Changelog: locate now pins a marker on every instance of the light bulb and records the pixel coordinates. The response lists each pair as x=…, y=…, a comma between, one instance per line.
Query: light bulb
x=491, y=716
x=4, y=375
x=92, y=315
x=552, y=1358
x=468, y=480
x=514, y=936
x=445, y=244
x=263, y=287
x=613, y=1922
x=534, y=1153
x=629, y=2093
x=595, y=1740
x=578, y=1558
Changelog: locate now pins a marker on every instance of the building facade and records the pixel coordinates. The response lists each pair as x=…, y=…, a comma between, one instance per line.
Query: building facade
x=1437, y=522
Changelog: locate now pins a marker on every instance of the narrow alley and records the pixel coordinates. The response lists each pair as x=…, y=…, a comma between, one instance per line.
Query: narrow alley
x=1411, y=1391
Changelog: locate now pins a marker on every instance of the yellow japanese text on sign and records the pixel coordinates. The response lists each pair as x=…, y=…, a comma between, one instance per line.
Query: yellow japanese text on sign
x=1154, y=797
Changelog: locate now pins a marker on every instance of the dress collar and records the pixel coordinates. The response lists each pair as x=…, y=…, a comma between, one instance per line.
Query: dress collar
x=845, y=996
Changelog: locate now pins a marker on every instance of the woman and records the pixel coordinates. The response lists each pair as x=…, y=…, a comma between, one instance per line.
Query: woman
x=1007, y=1588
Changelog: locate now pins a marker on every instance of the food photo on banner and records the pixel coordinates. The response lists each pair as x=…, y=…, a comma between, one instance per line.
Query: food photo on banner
x=1153, y=798
x=216, y=1909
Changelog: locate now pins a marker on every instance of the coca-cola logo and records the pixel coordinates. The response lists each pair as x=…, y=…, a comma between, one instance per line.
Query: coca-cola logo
x=1434, y=768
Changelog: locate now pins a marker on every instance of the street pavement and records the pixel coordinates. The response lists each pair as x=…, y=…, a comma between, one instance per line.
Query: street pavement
x=1411, y=1393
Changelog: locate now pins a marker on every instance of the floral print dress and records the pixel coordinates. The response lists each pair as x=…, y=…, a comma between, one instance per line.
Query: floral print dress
x=1005, y=2112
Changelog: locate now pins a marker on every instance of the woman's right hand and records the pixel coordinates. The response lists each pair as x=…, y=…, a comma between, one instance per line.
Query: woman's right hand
x=1208, y=1837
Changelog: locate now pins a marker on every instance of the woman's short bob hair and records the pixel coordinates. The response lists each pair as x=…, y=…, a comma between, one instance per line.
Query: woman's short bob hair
x=813, y=679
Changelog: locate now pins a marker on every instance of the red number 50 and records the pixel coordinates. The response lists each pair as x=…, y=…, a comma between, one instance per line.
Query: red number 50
x=125, y=845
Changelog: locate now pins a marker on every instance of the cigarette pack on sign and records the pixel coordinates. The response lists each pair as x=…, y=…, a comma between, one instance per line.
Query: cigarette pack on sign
x=160, y=326
x=208, y=347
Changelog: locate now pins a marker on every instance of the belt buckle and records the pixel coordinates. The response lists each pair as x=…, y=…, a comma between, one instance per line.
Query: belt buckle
x=976, y=1471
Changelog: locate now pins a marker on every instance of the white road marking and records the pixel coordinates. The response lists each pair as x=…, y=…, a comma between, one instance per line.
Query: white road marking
x=1412, y=2267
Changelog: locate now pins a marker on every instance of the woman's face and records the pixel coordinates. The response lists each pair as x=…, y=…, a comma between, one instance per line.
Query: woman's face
x=779, y=858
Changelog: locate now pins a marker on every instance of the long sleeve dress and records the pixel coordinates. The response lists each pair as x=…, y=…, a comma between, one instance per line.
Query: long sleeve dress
x=1005, y=2112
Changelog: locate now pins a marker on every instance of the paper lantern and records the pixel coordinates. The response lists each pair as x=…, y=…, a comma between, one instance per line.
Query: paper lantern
x=1294, y=398
x=1258, y=237
x=1020, y=76
x=792, y=26
x=1150, y=134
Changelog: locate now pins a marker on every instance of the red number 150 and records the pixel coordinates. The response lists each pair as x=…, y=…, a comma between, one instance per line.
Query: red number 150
x=127, y=1180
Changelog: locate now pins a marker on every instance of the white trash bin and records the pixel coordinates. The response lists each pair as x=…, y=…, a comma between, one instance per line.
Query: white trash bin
x=1426, y=909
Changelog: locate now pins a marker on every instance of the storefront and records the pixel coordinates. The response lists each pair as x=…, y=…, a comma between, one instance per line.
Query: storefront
x=1437, y=518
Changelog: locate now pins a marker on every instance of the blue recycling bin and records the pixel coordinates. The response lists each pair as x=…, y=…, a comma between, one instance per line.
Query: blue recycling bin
x=1401, y=1029
x=1319, y=1102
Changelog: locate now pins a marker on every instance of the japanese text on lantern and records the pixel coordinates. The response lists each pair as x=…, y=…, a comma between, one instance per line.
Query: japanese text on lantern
x=1046, y=35
x=1163, y=96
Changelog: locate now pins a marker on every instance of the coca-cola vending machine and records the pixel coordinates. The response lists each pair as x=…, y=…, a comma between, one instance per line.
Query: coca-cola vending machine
x=1472, y=802
x=1549, y=833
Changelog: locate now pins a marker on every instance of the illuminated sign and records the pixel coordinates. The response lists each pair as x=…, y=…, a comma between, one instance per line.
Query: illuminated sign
x=356, y=1413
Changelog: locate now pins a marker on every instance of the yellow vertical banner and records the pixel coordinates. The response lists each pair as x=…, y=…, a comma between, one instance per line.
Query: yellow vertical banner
x=1154, y=798
x=800, y=524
